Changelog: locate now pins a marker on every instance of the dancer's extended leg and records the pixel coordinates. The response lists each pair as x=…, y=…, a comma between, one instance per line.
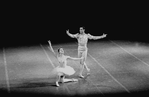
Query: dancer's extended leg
x=81, y=54
x=82, y=68
x=64, y=80
x=81, y=71
x=85, y=57
x=86, y=67
x=69, y=80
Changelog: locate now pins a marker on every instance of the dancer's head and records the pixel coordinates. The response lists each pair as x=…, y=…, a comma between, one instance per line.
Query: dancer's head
x=60, y=51
x=82, y=30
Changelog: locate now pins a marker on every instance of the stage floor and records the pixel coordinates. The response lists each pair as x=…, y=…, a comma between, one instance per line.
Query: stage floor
x=115, y=68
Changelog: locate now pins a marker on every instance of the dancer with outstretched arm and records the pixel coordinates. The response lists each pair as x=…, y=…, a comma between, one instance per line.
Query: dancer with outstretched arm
x=82, y=38
x=63, y=69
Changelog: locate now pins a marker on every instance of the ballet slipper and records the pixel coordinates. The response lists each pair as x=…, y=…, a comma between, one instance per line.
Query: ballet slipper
x=57, y=84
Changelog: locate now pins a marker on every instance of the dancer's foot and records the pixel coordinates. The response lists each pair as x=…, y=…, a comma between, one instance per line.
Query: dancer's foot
x=88, y=73
x=81, y=76
x=75, y=80
x=88, y=70
x=57, y=84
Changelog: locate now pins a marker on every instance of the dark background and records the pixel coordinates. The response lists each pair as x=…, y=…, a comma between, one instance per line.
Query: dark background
x=31, y=23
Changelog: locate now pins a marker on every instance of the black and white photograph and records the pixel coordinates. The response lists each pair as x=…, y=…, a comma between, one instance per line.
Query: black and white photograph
x=74, y=49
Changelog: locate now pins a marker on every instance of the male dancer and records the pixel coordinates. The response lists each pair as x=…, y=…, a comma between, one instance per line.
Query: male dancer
x=82, y=38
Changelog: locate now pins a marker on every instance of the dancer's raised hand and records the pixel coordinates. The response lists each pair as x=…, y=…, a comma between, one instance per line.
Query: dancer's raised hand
x=51, y=46
x=104, y=35
x=50, y=43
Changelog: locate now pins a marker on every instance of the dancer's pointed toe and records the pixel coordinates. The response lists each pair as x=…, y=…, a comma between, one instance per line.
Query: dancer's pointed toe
x=81, y=76
x=57, y=84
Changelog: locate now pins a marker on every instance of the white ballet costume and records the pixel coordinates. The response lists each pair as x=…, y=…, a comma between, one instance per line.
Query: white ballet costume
x=63, y=68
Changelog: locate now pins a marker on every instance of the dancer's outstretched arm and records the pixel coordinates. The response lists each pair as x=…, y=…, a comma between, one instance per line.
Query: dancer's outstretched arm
x=96, y=37
x=71, y=35
x=75, y=59
x=51, y=48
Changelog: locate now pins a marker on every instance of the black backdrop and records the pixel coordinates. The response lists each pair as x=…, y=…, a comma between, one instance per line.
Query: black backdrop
x=32, y=24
